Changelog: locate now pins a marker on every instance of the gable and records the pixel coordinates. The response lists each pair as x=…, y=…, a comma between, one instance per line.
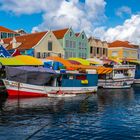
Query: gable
x=26, y=41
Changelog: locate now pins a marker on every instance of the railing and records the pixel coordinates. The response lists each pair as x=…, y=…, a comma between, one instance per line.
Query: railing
x=124, y=66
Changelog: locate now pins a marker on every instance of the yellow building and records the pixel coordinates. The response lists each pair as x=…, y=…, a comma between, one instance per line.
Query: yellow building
x=122, y=50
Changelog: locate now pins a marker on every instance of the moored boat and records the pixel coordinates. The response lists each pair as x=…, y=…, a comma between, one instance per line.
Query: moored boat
x=35, y=82
x=122, y=76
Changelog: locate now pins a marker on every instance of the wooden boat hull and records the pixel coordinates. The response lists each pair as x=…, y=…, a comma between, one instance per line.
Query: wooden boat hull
x=117, y=87
x=16, y=89
x=63, y=95
x=116, y=83
x=137, y=81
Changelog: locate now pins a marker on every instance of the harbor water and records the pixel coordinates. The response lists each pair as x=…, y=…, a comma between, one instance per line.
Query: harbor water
x=110, y=114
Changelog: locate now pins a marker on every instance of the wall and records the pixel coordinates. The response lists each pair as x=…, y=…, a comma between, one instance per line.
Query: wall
x=42, y=46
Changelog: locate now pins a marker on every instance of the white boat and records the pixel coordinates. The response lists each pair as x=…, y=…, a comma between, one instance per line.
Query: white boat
x=29, y=82
x=60, y=94
x=117, y=87
x=122, y=76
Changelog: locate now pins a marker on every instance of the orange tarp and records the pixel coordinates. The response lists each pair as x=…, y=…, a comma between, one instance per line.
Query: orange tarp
x=69, y=66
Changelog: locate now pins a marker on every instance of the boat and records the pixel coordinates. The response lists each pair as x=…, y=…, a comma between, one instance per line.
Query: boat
x=137, y=74
x=117, y=87
x=122, y=76
x=60, y=94
x=39, y=81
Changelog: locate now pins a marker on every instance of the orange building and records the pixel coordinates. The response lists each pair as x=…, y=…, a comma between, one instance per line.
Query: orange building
x=123, y=50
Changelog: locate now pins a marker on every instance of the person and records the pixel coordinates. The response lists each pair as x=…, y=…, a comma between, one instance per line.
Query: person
x=59, y=80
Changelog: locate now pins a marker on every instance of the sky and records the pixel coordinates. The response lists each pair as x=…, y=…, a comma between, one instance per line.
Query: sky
x=104, y=19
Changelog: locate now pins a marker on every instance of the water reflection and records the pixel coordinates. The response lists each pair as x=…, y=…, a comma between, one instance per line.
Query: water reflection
x=99, y=116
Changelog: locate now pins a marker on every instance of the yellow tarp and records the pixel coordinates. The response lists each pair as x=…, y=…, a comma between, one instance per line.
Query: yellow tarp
x=29, y=60
x=115, y=60
x=80, y=60
x=58, y=59
x=95, y=61
x=21, y=60
x=69, y=66
x=134, y=61
x=11, y=62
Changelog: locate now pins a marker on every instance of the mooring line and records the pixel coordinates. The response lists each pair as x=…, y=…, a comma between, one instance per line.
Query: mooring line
x=37, y=131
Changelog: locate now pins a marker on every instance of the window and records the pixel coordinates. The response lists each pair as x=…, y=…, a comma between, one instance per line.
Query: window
x=66, y=55
x=44, y=55
x=74, y=44
x=48, y=54
x=4, y=35
x=83, y=36
x=74, y=54
x=38, y=54
x=70, y=44
x=70, y=33
x=59, y=55
x=114, y=53
x=97, y=50
x=80, y=45
x=101, y=52
x=104, y=50
x=49, y=46
x=80, y=55
x=91, y=49
x=67, y=43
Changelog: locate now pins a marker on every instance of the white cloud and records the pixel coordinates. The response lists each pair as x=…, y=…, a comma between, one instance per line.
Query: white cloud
x=123, y=10
x=60, y=14
x=130, y=30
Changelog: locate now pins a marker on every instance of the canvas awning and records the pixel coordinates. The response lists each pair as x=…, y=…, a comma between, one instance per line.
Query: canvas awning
x=95, y=61
x=21, y=60
x=29, y=60
x=80, y=60
x=11, y=62
x=69, y=66
x=133, y=61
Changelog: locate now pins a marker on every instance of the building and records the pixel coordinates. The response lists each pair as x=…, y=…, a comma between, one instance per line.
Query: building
x=139, y=52
x=21, y=32
x=74, y=44
x=40, y=45
x=98, y=48
x=123, y=50
x=7, y=33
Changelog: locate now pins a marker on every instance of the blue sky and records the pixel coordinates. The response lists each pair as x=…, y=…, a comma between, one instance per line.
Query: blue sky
x=105, y=19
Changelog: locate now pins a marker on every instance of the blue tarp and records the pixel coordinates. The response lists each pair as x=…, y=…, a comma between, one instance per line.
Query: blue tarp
x=3, y=52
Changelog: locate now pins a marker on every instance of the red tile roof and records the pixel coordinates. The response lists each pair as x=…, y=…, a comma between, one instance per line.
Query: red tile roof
x=3, y=29
x=77, y=34
x=119, y=43
x=27, y=41
x=60, y=33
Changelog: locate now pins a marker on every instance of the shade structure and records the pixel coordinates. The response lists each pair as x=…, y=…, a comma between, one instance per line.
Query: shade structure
x=21, y=60
x=74, y=62
x=80, y=60
x=16, y=52
x=117, y=60
x=132, y=61
x=11, y=62
x=29, y=60
x=61, y=60
x=69, y=66
x=109, y=61
x=135, y=61
x=95, y=61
